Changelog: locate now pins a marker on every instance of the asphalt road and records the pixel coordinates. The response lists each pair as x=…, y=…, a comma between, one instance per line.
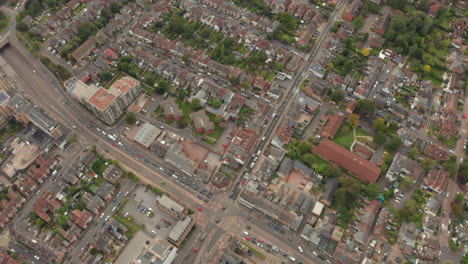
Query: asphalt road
x=42, y=88
x=281, y=111
x=98, y=223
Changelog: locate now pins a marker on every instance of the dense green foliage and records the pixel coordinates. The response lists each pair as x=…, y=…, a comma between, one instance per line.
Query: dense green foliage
x=258, y=7
x=58, y=70
x=286, y=31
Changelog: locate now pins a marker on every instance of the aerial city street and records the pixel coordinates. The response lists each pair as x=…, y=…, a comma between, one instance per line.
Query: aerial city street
x=233, y=131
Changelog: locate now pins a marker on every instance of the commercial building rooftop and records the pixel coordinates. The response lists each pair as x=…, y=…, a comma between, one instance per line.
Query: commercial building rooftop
x=41, y=120
x=179, y=229
x=169, y=204
x=18, y=104
x=4, y=97
x=124, y=85
x=147, y=134
x=102, y=99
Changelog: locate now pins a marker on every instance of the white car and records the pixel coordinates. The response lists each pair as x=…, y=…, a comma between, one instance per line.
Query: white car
x=300, y=249
x=107, y=218
x=245, y=233
x=315, y=253
x=113, y=209
x=36, y=257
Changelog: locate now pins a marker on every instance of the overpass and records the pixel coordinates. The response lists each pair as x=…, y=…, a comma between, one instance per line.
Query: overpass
x=4, y=41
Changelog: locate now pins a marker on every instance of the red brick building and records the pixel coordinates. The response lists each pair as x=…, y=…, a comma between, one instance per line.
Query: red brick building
x=352, y=162
x=331, y=128
x=171, y=110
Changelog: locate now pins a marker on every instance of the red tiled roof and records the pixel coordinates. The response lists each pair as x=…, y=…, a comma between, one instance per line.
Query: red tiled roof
x=363, y=151
x=102, y=99
x=353, y=163
x=348, y=17
x=81, y=218
x=110, y=54
x=334, y=123
x=125, y=84
x=437, y=180
x=351, y=106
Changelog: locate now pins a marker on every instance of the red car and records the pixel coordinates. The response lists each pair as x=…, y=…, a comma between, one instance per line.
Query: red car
x=248, y=238
x=140, y=156
x=225, y=145
x=200, y=209
x=195, y=249
x=464, y=116
x=423, y=125
x=260, y=240
x=114, y=144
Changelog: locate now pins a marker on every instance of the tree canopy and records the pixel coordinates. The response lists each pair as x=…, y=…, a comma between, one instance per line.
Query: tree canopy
x=366, y=106
x=413, y=152
x=333, y=171
x=130, y=118
x=379, y=138
x=379, y=124
x=354, y=120
x=428, y=164
x=394, y=144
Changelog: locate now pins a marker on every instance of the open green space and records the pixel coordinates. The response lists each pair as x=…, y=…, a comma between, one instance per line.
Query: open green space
x=11, y=128
x=99, y=166
x=93, y=188
x=423, y=40
x=345, y=137
x=3, y=22
x=255, y=251
x=450, y=142
x=58, y=70
x=127, y=222
x=217, y=130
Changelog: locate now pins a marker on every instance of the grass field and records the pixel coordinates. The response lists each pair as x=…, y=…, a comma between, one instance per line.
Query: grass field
x=132, y=227
x=345, y=136
x=254, y=251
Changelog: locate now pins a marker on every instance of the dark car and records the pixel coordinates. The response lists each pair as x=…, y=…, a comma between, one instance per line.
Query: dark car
x=217, y=220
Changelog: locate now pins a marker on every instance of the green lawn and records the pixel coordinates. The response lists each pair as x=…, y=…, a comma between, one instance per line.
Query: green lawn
x=12, y=128
x=93, y=188
x=362, y=132
x=98, y=181
x=345, y=137
x=148, y=90
x=218, y=130
x=99, y=166
x=451, y=142
x=254, y=251
x=321, y=165
x=186, y=108
x=132, y=227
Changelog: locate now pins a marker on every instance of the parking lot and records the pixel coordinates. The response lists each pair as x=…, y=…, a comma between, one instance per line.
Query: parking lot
x=142, y=207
